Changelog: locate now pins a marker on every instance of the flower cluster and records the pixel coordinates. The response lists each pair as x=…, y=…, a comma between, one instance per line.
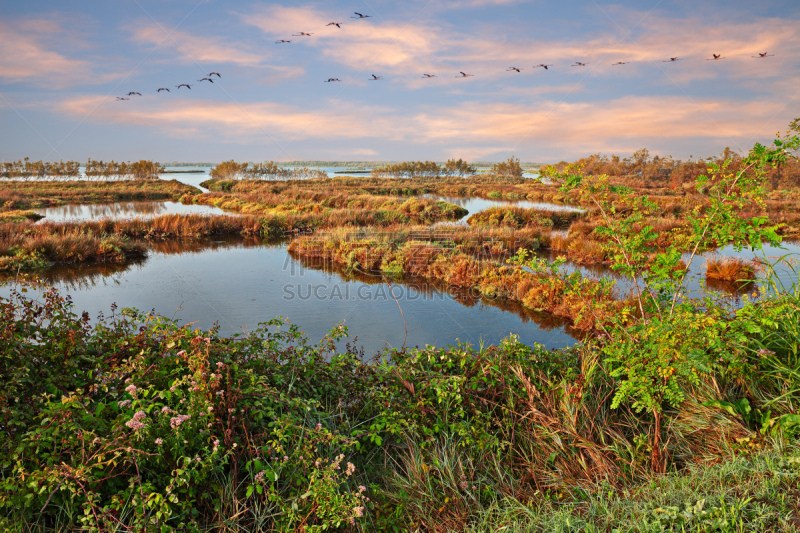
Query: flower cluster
x=124, y=403
x=135, y=423
x=176, y=421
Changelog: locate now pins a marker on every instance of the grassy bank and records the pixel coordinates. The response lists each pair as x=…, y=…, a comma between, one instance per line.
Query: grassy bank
x=25, y=246
x=135, y=422
x=32, y=194
x=324, y=208
x=467, y=258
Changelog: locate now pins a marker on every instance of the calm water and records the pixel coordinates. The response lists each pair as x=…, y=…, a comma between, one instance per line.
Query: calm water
x=785, y=271
x=475, y=205
x=238, y=285
x=121, y=210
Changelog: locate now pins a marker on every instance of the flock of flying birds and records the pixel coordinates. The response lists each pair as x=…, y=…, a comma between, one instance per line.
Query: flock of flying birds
x=360, y=16
x=207, y=78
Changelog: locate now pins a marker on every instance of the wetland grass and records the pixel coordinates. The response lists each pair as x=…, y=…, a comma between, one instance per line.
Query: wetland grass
x=730, y=269
x=30, y=194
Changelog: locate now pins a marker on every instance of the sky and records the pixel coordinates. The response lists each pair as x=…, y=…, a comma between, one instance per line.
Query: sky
x=63, y=65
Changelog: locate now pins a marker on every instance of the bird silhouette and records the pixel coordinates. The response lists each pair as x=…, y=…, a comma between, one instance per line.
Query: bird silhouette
x=121, y=98
x=184, y=85
x=374, y=77
x=301, y=34
x=206, y=79
x=337, y=24
x=671, y=59
x=360, y=16
x=620, y=63
x=162, y=89
x=133, y=92
x=214, y=74
x=715, y=57
x=282, y=41
x=465, y=75
x=542, y=65
x=578, y=64
x=429, y=75
x=509, y=69
x=332, y=79
x=763, y=55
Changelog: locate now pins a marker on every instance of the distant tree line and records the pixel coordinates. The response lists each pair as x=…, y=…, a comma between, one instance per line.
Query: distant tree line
x=424, y=169
x=231, y=170
x=25, y=169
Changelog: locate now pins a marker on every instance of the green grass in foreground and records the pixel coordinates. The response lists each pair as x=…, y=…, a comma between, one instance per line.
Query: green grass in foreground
x=134, y=423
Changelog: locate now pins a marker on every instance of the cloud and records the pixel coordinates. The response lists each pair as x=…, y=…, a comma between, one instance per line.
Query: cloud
x=191, y=48
x=28, y=53
x=471, y=129
x=403, y=51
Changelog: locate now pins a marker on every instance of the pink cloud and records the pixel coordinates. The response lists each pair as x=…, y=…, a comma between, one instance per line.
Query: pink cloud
x=28, y=53
x=476, y=129
x=403, y=51
x=192, y=48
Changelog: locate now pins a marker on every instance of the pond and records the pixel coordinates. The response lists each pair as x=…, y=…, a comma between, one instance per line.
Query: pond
x=475, y=205
x=122, y=210
x=238, y=284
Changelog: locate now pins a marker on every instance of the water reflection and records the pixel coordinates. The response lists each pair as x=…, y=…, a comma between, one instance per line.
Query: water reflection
x=432, y=289
x=123, y=210
x=475, y=205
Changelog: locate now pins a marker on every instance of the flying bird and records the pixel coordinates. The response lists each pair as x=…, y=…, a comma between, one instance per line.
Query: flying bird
x=465, y=75
x=509, y=69
x=542, y=65
x=206, y=79
x=620, y=63
x=282, y=41
x=214, y=74
x=578, y=64
x=162, y=89
x=429, y=75
x=716, y=56
x=671, y=59
x=332, y=79
x=337, y=24
x=360, y=16
x=374, y=77
x=133, y=92
x=184, y=85
x=763, y=55
x=302, y=33
x=121, y=98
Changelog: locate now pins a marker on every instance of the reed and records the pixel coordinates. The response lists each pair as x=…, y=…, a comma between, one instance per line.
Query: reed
x=730, y=269
x=28, y=194
x=19, y=215
x=518, y=217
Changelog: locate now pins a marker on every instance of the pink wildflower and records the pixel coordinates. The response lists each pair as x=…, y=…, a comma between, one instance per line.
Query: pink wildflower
x=159, y=442
x=350, y=469
x=134, y=424
x=176, y=421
